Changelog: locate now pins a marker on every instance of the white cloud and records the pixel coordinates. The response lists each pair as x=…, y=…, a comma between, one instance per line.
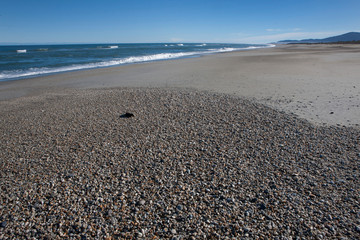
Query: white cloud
x=283, y=30
x=273, y=30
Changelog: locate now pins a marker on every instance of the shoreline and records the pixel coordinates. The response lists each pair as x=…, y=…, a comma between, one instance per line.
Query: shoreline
x=315, y=82
x=166, y=53
x=207, y=151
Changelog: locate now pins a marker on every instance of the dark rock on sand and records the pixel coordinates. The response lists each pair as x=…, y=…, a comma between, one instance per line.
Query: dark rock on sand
x=127, y=115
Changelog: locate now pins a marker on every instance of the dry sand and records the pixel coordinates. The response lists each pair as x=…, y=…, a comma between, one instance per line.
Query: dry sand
x=317, y=82
x=189, y=164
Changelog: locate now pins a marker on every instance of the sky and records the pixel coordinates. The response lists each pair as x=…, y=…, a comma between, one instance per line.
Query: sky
x=145, y=21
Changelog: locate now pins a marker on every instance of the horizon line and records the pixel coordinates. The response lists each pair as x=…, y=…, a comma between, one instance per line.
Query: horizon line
x=78, y=43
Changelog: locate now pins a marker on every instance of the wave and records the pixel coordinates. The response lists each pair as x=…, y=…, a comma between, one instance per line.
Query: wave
x=257, y=47
x=107, y=47
x=45, y=70
x=225, y=49
x=31, y=72
x=21, y=51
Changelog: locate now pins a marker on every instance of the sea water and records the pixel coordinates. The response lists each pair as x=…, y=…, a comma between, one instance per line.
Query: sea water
x=17, y=62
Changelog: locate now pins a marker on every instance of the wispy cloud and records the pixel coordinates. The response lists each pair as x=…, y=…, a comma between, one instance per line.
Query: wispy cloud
x=273, y=30
x=283, y=30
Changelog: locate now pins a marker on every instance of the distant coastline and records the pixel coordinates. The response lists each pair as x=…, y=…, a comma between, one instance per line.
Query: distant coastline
x=341, y=42
x=347, y=38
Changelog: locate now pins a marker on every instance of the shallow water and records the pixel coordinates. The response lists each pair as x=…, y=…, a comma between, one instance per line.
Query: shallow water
x=33, y=60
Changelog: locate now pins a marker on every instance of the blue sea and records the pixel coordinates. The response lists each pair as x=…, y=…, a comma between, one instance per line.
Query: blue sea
x=17, y=62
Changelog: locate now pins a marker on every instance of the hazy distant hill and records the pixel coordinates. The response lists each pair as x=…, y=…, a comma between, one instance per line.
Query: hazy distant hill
x=347, y=37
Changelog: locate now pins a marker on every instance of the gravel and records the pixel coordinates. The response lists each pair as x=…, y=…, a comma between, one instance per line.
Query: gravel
x=186, y=165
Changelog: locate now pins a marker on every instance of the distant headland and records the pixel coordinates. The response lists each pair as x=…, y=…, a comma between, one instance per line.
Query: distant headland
x=347, y=38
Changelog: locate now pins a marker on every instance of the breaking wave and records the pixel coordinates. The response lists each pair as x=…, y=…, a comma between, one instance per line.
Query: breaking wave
x=36, y=71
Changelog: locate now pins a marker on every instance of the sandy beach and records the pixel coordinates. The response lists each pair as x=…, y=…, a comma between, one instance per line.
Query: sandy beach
x=260, y=144
x=316, y=82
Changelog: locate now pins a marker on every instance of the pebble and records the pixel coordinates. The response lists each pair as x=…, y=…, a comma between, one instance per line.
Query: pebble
x=186, y=165
x=3, y=224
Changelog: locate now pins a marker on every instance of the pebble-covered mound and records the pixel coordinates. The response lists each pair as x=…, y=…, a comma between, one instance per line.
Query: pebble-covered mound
x=186, y=165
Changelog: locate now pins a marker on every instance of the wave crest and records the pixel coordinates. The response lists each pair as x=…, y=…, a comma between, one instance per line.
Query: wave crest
x=31, y=72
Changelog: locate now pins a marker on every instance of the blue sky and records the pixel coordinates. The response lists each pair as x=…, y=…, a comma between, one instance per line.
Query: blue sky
x=118, y=21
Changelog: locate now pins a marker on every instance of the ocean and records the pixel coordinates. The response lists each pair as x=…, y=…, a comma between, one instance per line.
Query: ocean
x=18, y=62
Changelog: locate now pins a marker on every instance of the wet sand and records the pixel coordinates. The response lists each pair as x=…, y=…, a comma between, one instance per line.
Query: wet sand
x=201, y=158
x=317, y=82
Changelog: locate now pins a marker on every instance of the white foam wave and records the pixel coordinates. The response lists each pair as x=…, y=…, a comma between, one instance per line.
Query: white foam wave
x=180, y=44
x=21, y=51
x=265, y=46
x=41, y=71
x=107, y=47
x=221, y=50
x=5, y=75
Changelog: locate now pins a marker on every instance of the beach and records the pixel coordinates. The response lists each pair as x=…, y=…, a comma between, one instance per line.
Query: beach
x=256, y=144
x=316, y=82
